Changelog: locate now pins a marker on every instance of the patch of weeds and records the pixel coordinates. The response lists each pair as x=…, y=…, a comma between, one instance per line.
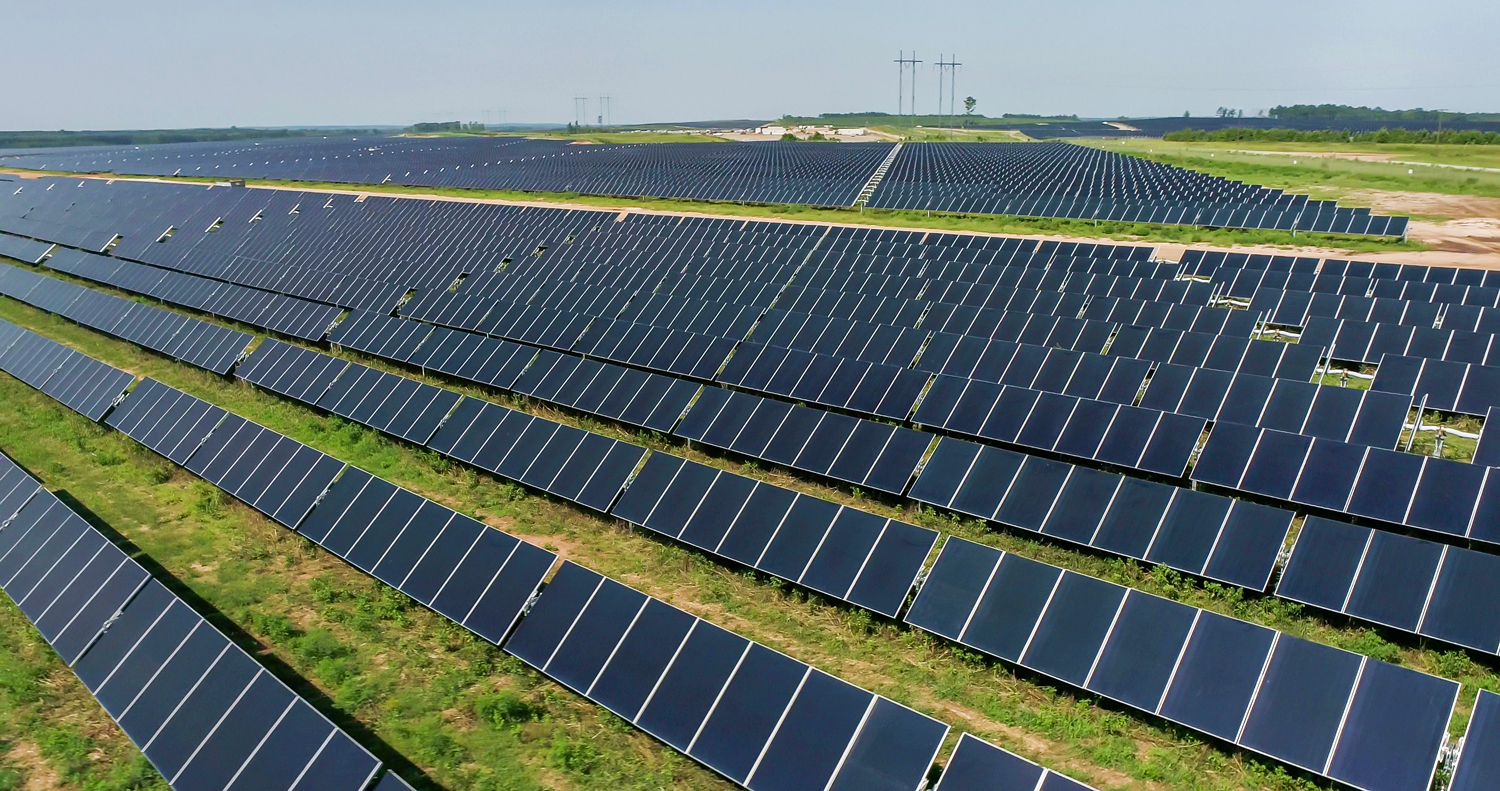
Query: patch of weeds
x=571, y=755
x=506, y=708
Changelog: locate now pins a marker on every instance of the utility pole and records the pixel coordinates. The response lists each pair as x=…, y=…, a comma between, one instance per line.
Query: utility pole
x=580, y=110
x=1437, y=142
x=950, y=66
x=604, y=111
x=940, y=85
x=901, y=63
x=914, y=63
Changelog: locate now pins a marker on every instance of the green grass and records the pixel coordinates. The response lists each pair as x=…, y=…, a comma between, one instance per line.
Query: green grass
x=1100, y=744
x=52, y=732
x=1326, y=177
x=1138, y=233
x=414, y=687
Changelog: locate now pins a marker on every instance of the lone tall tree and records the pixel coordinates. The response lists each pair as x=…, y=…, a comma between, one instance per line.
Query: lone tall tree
x=969, y=103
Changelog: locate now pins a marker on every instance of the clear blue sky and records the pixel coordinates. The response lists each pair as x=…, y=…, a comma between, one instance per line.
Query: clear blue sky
x=155, y=64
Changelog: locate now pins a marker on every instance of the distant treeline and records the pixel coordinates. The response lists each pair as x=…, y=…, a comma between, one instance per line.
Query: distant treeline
x=148, y=136
x=1241, y=134
x=1344, y=112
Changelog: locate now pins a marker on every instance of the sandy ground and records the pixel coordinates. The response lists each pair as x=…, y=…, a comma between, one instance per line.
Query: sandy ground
x=1357, y=157
x=1471, y=239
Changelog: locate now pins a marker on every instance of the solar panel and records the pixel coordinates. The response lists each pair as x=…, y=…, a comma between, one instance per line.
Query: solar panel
x=1487, y=450
x=1478, y=765
x=757, y=717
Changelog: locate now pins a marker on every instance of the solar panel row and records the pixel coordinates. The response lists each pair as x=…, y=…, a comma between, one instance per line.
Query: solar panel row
x=1124, y=436
x=864, y=453
x=1359, y=721
x=1298, y=308
x=1417, y=586
x=200, y=343
x=1441, y=385
x=299, y=318
x=836, y=550
x=1364, y=417
x=203, y=711
x=78, y=381
x=1430, y=493
x=1368, y=342
x=1196, y=532
x=29, y=251
x=1243, y=279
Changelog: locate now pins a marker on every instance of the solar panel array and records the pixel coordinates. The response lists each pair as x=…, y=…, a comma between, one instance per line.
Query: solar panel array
x=201, y=709
x=674, y=302
x=1363, y=722
x=752, y=714
x=1242, y=531
x=1021, y=179
x=1062, y=180
x=842, y=552
x=585, y=383
x=1431, y=329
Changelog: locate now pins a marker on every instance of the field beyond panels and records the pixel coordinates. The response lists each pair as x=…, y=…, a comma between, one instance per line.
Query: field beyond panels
x=1331, y=170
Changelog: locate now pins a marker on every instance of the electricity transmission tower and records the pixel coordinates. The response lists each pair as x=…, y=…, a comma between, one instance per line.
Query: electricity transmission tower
x=580, y=110
x=901, y=63
x=951, y=67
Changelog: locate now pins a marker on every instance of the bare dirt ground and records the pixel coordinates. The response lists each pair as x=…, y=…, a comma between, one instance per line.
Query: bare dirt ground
x=1354, y=156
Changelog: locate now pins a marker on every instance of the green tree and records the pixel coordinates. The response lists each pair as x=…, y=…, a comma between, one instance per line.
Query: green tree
x=969, y=103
